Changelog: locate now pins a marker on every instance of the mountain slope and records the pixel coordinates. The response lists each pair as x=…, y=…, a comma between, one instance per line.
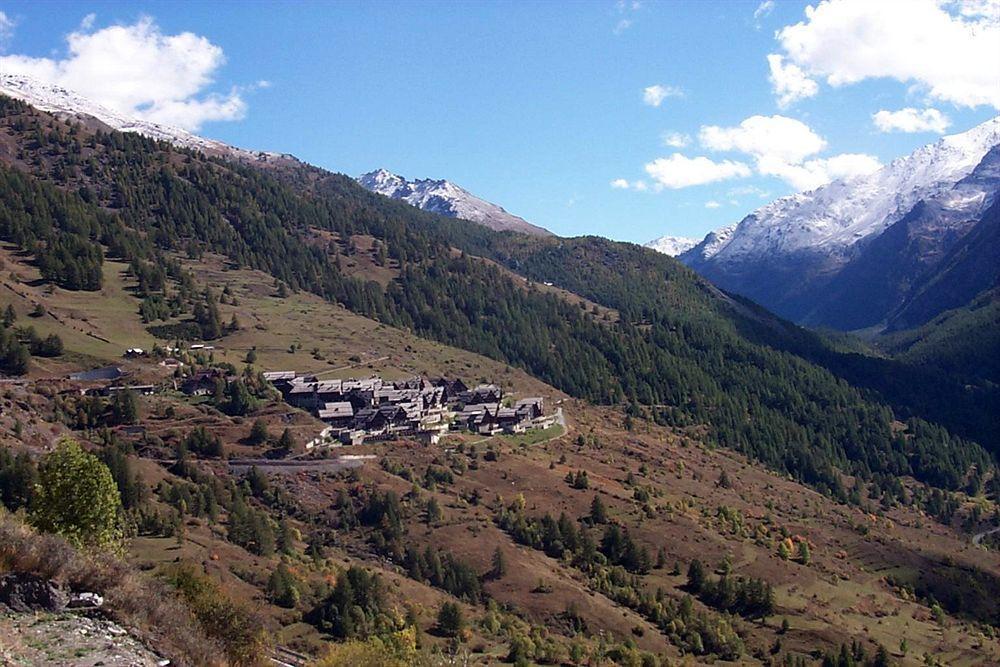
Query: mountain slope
x=447, y=199
x=678, y=346
x=964, y=342
x=66, y=103
x=970, y=266
x=811, y=256
x=684, y=367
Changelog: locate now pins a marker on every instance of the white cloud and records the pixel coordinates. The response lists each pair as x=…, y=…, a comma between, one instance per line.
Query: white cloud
x=947, y=49
x=655, y=94
x=763, y=9
x=788, y=81
x=7, y=26
x=626, y=9
x=623, y=184
x=780, y=146
x=675, y=139
x=88, y=21
x=711, y=203
x=136, y=69
x=678, y=171
x=911, y=120
x=778, y=137
x=811, y=174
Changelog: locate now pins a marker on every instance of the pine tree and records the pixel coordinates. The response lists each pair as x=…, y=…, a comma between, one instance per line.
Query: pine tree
x=499, y=568
x=258, y=432
x=598, y=514
x=282, y=587
x=433, y=511
x=124, y=407
x=696, y=576
x=285, y=537
x=804, y=552
x=450, y=620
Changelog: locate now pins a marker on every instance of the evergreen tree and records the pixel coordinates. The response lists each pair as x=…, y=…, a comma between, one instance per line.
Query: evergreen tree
x=598, y=514
x=695, y=576
x=450, y=620
x=124, y=407
x=433, y=511
x=282, y=588
x=258, y=432
x=499, y=564
x=804, y=552
x=286, y=442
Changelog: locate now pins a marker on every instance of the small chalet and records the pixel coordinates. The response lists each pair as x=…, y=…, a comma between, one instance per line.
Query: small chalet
x=202, y=383
x=530, y=408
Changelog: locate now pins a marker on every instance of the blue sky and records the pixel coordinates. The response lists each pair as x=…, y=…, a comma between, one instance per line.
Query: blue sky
x=542, y=106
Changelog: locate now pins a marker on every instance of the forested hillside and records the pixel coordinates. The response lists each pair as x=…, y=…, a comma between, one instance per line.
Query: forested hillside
x=681, y=352
x=964, y=342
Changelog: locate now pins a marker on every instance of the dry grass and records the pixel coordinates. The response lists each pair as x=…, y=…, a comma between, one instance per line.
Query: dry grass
x=148, y=608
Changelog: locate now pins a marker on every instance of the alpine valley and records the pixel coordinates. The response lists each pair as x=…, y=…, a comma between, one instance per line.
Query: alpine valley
x=257, y=412
x=882, y=252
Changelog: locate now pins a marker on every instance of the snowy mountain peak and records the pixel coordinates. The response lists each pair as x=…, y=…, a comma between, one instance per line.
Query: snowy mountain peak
x=64, y=102
x=671, y=245
x=853, y=252
x=833, y=218
x=446, y=198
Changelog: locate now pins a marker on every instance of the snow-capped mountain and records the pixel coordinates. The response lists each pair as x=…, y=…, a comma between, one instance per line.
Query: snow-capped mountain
x=794, y=254
x=64, y=102
x=672, y=245
x=446, y=198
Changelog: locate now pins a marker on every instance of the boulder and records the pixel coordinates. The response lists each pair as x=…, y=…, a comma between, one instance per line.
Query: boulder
x=27, y=592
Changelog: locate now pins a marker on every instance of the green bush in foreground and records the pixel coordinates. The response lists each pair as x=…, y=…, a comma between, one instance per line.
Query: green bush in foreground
x=77, y=498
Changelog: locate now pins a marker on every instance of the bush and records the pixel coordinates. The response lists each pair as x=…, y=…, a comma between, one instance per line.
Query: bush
x=240, y=629
x=398, y=649
x=77, y=498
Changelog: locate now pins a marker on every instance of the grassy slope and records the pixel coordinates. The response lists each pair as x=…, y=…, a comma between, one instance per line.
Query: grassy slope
x=842, y=594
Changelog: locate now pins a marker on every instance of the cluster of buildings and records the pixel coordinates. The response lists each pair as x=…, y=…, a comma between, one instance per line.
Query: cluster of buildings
x=356, y=410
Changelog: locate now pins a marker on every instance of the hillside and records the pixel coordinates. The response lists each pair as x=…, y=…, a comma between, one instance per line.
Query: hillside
x=964, y=341
x=702, y=426
x=680, y=345
x=671, y=492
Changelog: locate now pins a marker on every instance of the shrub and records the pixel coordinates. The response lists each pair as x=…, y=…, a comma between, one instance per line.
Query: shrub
x=239, y=628
x=398, y=649
x=151, y=611
x=77, y=498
